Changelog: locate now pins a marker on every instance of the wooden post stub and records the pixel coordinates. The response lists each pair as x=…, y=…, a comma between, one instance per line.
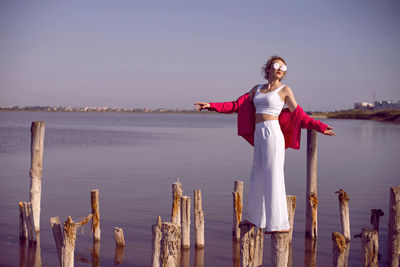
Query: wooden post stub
x=247, y=245
x=170, y=245
x=376, y=214
x=370, y=248
x=94, y=202
x=279, y=249
x=35, y=173
x=311, y=230
x=185, y=221
x=30, y=226
x=23, y=231
x=338, y=249
x=156, y=243
x=68, y=248
x=176, y=203
x=291, y=208
x=344, y=213
x=57, y=234
x=393, y=243
x=237, y=197
x=198, y=219
x=119, y=237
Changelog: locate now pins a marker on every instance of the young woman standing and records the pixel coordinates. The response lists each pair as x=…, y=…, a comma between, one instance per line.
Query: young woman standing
x=263, y=124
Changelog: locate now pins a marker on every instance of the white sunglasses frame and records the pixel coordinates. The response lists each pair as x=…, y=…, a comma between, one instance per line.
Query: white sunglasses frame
x=277, y=66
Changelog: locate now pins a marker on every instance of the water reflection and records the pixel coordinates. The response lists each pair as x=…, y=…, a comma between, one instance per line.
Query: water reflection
x=185, y=257
x=119, y=255
x=33, y=258
x=96, y=254
x=199, y=257
x=235, y=252
x=22, y=252
x=310, y=252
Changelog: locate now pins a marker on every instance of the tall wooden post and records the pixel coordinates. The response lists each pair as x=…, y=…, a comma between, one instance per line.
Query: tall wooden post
x=237, y=196
x=370, y=248
x=156, y=243
x=291, y=208
x=393, y=244
x=170, y=245
x=94, y=200
x=344, y=213
x=198, y=219
x=35, y=173
x=176, y=203
x=311, y=230
x=338, y=250
x=185, y=221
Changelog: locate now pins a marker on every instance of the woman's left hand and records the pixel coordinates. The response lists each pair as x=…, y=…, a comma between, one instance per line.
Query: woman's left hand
x=329, y=131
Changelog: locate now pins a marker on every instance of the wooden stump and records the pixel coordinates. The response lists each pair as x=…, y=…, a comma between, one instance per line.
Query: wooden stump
x=119, y=237
x=344, y=213
x=370, y=248
x=156, y=242
x=376, y=214
x=23, y=230
x=338, y=250
x=311, y=229
x=176, y=203
x=94, y=201
x=279, y=249
x=291, y=208
x=393, y=244
x=185, y=221
x=35, y=173
x=198, y=219
x=170, y=245
x=251, y=246
x=57, y=234
x=237, y=196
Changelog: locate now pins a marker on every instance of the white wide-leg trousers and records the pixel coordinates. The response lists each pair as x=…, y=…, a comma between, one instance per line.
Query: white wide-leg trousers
x=267, y=206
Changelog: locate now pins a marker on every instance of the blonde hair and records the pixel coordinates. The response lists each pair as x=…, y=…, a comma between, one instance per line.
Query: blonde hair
x=267, y=66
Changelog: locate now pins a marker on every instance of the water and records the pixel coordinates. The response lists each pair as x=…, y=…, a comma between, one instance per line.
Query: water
x=134, y=158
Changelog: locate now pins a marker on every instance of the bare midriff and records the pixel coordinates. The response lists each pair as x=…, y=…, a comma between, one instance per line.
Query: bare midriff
x=265, y=117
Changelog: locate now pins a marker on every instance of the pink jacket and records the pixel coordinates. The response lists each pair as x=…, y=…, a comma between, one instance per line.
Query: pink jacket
x=290, y=122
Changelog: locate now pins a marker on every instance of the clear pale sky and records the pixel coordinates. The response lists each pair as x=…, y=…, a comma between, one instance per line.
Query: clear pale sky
x=169, y=54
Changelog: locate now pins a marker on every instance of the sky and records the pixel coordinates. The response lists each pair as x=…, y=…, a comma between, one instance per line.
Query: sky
x=170, y=54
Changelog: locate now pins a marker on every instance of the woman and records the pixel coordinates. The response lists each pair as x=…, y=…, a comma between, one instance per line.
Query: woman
x=264, y=124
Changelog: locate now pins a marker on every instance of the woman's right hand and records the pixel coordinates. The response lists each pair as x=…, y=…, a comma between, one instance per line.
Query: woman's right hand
x=201, y=105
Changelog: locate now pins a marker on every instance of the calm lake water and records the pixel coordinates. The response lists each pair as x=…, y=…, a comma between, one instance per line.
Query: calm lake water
x=134, y=158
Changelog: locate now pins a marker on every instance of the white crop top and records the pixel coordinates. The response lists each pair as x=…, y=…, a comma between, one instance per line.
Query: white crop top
x=268, y=103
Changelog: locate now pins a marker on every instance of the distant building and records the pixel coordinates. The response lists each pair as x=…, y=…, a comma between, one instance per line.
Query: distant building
x=379, y=105
x=363, y=106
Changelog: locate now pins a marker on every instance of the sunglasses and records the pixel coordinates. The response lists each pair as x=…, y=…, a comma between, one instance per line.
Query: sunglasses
x=277, y=66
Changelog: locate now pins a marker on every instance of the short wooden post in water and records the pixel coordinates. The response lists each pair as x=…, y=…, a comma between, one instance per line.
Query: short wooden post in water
x=94, y=201
x=338, y=250
x=185, y=221
x=291, y=208
x=247, y=245
x=393, y=244
x=68, y=248
x=156, y=243
x=23, y=231
x=198, y=219
x=176, y=203
x=311, y=230
x=376, y=214
x=237, y=196
x=35, y=173
x=279, y=249
x=57, y=234
x=30, y=226
x=170, y=245
x=370, y=248
x=119, y=237
x=344, y=213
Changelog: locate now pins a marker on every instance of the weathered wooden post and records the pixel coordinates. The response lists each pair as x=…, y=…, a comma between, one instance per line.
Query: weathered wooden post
x=279, y=249
x=370, y=248
x=156, y=242
x=35, y=173
x=237, y=195
x=94, y=201
x=198, y=219
x=119, y=245
x=344, y=213
x=170, y=245
x=68, y=248
x=259, y=247
x=393, y=244
x=30, y=226
x=338, y=250
x=375, y=217
x=311, y=230
x=57, y=234
x=291, y=208
x=23, y=230
x=185, y=221
x=251, y=245
x=176, y=203
x=235, y=252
